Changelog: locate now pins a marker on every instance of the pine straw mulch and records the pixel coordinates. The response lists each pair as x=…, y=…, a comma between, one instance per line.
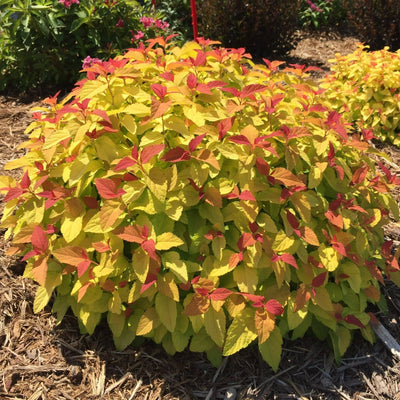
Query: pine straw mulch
x=42, y=361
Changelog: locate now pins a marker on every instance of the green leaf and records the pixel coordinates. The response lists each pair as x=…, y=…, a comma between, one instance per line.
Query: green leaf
x=41, y=299
x=176, y=265
x=116, y=322
x=215, y=324
x=271, y=349
x=166, y=310
x=180, y=340
x=167, y=240
x=241, y=332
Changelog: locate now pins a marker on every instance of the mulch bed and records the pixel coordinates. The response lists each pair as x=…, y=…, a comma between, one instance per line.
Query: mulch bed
x=42, y=361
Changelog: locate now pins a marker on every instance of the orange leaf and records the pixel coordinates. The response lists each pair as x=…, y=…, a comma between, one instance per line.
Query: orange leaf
x=213, y=196
x=285, y=177
x=309, y=236
x=265, y=324
x=302, y=297
x=39, y=271
x=207, y=156
x=131, y=233
x=198, y=305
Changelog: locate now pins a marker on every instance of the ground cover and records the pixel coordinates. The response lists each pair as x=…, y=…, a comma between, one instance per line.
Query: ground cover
x=41, y=361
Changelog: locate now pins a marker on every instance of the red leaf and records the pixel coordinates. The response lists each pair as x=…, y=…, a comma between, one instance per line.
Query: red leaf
x=195, y=142
x=201, y=59
x=253, y=226
x=82, y=267
x=108, y=188
x=240, y=139
x=247, y=195
x=351, y=319
x=262, y=166
x=192, y=81
x=251, y=89
x=224, y=126
x=149, y=151
x=176, y=154
x=169, y=76
x=135, y=153
x=151, y=279
x=159, y=90
x=149, y=246
x=294, y=223
x=255, y=298
x=289, y=259
x=13, y=193
x=274, y=307
x=90, y=202
x=102, y=114
x=25, y=181
x=203, y=88
x=245, y=240
x=220, y=294
x=319, y=280
x=339, y=247
x=39, y=239
x=124, y=164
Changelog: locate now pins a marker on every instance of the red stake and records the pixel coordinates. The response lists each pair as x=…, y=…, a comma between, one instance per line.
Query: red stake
x=154, y=3
x=194, y=20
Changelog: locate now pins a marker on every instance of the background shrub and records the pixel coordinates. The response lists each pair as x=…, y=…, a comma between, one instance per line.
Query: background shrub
x=365, y=87
x=43, y=42
x=376, y=22
x=178, y=14
x=261, y=26
x=197, y=202
x=322, y=13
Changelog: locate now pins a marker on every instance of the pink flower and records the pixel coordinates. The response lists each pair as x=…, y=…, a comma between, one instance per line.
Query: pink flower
x=147, y=21
x=120, y=24
x=67, y=3
x=161, y=24
x=139, y=35
x=313, y=6
x=89, y=61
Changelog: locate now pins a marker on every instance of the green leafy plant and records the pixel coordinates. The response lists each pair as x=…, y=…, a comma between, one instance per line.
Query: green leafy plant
x=375, y=22
x=364, y=86
x=262, y=27
x=321, y=13
x=43, y=42
x=201, y=203
x=178, y=14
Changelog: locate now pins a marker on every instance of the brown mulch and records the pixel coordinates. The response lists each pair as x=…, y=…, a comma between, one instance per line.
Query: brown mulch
x=40, y=360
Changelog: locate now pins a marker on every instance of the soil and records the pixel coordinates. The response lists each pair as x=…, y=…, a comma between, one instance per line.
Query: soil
x=42, y=360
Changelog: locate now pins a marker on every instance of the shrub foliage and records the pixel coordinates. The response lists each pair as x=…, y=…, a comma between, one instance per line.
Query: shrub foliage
x=200, y=200
x=365, y=87
x=262, y=27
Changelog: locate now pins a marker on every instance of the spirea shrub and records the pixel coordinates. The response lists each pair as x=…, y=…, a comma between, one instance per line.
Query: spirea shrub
x=365, y=87
x=262, y=27
x=199, y=200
